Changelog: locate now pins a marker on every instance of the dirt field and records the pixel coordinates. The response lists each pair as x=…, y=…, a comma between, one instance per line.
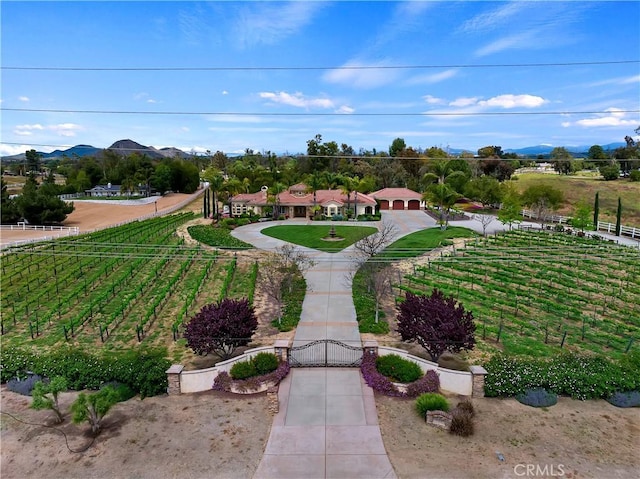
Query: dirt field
x=214, y=435
x=89, y=216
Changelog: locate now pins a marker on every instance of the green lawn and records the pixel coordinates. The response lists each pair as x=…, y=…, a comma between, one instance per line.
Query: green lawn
x=420, y=242
x=312, y=236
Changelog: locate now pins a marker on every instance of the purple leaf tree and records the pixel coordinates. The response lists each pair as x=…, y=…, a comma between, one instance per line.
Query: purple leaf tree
x=437, y=323
x=221, y=327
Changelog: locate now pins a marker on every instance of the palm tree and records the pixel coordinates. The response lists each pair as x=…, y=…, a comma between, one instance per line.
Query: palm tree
x=442, y=195
x=273, y=196
x=216, y=181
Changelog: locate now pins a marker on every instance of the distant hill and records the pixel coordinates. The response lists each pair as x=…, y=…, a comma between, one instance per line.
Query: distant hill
x=126, y=147
x=78, y=150
x=580, y=150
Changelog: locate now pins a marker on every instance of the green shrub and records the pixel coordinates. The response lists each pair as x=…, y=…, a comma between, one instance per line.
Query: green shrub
x=265, y=362
x=398, y=369
x=431, y=402
x=228, y=222
x=634, y=175
x=537, y=398
x=461, y=423
x=122, y=391
x=243, y=370
x=243, y=221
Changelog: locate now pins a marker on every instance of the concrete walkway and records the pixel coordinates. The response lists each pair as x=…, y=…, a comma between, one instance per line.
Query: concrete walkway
x=327, y=426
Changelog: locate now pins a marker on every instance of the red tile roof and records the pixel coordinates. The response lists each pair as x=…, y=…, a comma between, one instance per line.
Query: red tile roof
x=396, y=194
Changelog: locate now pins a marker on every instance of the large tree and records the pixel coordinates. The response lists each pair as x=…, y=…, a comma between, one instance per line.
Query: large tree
x=39, y=207
x=444, y=197
x=221, y=327
x=485, y=189
x=437, y=323
x=562, y=160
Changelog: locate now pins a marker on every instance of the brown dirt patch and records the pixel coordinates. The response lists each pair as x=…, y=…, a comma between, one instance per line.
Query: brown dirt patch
x=91, y=216
x=201, y=435
x=588, y=438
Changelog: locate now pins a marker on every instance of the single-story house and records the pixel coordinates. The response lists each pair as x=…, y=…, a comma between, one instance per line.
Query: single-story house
x=399, y=199
x=298, y=202
x=104, y=190
x=112, y=190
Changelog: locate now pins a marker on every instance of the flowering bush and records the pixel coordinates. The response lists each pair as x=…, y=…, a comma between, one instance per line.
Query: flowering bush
x=223, y=381
x=574, y=375
x=382, y=384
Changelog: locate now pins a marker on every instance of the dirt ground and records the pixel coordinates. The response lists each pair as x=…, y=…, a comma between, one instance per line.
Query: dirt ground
x=89, y=216
x=217, y=435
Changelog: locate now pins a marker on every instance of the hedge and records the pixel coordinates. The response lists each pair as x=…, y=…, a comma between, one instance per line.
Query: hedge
x=143, y=370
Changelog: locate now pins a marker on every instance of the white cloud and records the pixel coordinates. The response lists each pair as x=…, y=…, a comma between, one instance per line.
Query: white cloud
x=345, y=109
x=433, y=77
x=371, y=77
x=493, y=19
x=614, y=117
x=27, y=130
x=296, y=99
x=23, y=98
x=62, y=129
x=224, y=92
x=617, y=81
x=269, y=23
x=432, y=100
x=10, y=150
x=464, y=101
x=513, y=101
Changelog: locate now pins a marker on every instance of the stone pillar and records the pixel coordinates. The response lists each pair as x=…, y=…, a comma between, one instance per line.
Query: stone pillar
x=173, y=378
x=272, y=400
x=281, y=348
x=477, y=376
x=370, y=347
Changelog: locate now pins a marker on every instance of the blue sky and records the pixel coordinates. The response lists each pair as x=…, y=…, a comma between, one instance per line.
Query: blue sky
x=285, y=72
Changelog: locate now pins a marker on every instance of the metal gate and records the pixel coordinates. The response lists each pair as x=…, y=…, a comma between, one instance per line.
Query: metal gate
x=325, y=353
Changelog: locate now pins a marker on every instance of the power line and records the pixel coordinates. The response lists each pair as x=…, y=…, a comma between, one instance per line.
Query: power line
x=325, y=114
x=316, y=68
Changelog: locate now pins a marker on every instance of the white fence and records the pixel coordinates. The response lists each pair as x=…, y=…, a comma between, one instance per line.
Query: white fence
x=630, y=231
x=70, y=230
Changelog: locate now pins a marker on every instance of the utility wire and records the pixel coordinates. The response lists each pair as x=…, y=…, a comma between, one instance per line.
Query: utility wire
x=316, y=68
x=322, y=114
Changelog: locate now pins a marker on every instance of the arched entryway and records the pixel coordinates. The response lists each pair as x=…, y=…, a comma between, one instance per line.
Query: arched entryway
x=398, y=204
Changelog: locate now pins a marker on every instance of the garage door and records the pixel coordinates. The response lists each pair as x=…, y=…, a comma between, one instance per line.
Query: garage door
x=398, y=204
x=384, y=204
x=414, y=204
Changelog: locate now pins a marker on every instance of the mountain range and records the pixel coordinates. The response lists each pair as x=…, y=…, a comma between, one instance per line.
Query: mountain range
x=123, y=147
x=129, y=146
